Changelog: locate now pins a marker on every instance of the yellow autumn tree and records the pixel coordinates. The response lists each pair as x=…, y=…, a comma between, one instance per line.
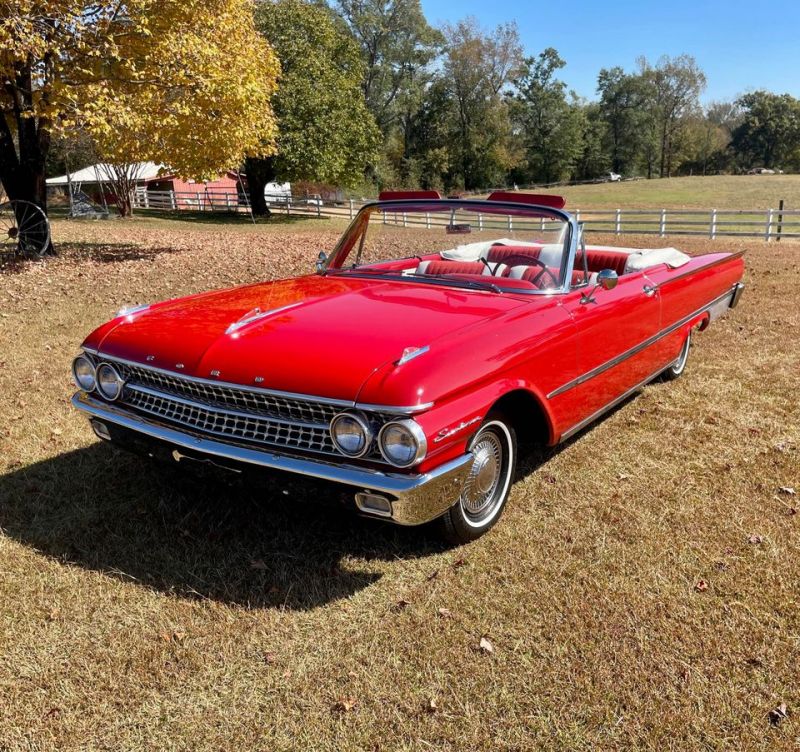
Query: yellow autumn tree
x=186, y=83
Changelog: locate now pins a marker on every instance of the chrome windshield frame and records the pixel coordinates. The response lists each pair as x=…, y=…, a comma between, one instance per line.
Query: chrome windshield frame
x=345, y=244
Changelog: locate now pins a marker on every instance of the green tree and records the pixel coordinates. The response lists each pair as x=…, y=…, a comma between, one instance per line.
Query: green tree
x=672, y=91
x=478, y=66
x=622, y=98
x=397, y=45
x=551, y=125
x=769, y=132
x=325, y=131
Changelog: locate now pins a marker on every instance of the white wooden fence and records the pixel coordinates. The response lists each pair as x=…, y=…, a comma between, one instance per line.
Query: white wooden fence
x=768, y=224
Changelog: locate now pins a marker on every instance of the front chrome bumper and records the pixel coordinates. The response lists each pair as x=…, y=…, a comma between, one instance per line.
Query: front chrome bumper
x=413, y=499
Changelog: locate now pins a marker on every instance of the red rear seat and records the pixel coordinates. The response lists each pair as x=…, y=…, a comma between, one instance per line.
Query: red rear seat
x=513, y=255
x=599, y=260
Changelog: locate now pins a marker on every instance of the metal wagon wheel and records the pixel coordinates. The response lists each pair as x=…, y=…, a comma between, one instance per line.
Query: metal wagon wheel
x=24, y=229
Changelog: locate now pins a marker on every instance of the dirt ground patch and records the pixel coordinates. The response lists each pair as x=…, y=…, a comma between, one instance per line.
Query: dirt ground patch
x=143, y=609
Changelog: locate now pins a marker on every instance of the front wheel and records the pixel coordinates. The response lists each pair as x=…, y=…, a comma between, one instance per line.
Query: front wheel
x=678, y=367
x=487, y=486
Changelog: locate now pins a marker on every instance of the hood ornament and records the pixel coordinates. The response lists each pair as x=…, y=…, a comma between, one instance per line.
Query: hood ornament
x=257, y=315
x=410, y=353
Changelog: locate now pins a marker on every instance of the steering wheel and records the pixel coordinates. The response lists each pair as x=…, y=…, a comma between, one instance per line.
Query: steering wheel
x=545, y=270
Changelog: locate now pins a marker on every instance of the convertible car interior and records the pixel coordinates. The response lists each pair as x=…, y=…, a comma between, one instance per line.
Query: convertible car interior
x=532, y=265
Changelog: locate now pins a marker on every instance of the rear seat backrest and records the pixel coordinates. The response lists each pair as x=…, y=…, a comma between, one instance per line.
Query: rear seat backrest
x=599, y=260
x=512, y=255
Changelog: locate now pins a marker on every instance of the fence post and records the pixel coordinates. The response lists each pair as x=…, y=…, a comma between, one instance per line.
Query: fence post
x=351, y=208
x=172, y=202
x=480, y=221
x=578, y=216
x=405, y=220
x=780, y=221
x=427, y=220
x=712, y=230
x=768, y=232
x=319, y=207
x=662, y=226
x=617, y=221
x=510, y=224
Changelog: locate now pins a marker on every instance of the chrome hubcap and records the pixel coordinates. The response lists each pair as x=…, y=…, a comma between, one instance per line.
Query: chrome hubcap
x=484, y=477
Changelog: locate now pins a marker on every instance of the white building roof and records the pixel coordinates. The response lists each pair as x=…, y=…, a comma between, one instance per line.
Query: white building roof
x=98, y=173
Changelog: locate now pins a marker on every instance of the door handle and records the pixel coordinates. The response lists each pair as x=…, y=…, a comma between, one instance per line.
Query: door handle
x=649, y=290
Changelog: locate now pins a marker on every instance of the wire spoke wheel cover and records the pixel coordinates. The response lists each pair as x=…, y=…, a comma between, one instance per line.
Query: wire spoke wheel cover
x=24, y=229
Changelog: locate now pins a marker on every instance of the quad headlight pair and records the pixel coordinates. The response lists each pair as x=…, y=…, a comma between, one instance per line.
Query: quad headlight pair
x=105, y=379
x=401, y=442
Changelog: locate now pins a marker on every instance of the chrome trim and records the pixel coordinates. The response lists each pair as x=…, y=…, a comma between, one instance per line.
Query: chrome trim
x=120, y=382
x=416, y=497
x=257, y=315
x=737, y=294
x=130, y=310
x=229, y=384
x=89, y=350
x=419, y=436
x=413, y=354
x=217, y=409
x=75, y=378
x=405, y=410
x=616, y=360
x=369, y=434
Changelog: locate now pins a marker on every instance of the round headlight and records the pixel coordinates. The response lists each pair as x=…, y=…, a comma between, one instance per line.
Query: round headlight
x=109, y=382
x=351, y=434
x=83, y=373
x=402, y=442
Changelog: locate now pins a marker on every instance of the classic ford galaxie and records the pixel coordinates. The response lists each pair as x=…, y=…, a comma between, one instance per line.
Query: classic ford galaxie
x=435, y=334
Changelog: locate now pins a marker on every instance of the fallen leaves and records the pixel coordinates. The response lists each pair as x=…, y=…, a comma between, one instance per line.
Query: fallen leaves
x=345, y=705
x=788, y=490
x=485, y=646
x=701, y=586
x=778, y=714
x=445, y=613
x=755, y=540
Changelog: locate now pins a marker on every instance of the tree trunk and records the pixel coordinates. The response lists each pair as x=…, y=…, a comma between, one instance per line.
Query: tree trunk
x=22, y=172
x=259, y=172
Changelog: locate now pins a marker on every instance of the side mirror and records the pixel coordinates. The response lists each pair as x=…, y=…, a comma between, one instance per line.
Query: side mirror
x=607, y=279
x=322, y=259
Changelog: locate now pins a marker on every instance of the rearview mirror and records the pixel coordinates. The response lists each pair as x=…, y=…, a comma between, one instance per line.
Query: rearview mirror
x=322, y=259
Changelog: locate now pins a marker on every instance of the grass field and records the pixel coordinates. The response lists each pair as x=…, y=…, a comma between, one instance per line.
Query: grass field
x=717, y=192
x=140, y=609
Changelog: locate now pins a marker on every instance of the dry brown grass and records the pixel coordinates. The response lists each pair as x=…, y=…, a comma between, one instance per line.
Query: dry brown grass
x=139, y=609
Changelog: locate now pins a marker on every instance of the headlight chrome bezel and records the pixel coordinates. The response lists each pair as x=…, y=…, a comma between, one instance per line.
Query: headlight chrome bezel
x=92, y=366
x=414, y=430
x=362, y=422
x=118, y=381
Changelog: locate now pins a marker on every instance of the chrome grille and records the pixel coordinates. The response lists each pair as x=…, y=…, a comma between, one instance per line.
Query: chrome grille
x=250, y=401
x=239, y=426
x=237, y=413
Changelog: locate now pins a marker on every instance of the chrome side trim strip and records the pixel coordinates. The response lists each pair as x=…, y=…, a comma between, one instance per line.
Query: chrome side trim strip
x=400, y=410
x=417, y=498
x=610, y=406
x=616, y=360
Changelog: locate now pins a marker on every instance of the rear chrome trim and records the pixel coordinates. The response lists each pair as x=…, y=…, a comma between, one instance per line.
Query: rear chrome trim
x=416, y=498
x=583, y=378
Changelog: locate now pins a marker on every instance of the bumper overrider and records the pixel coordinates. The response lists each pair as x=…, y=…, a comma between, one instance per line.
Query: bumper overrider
x=406, y=499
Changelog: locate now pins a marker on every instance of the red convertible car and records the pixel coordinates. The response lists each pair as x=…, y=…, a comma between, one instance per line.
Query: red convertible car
x=435, y=334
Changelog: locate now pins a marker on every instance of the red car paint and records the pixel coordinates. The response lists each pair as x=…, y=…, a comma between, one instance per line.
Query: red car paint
x=341, y=337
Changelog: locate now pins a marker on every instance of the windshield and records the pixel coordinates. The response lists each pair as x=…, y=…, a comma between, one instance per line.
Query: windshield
x=501, y=247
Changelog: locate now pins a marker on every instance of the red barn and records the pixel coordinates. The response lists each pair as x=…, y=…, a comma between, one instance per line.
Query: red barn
x=221, y=193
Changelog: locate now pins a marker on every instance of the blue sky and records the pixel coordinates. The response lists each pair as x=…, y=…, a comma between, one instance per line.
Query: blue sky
x=741, y=46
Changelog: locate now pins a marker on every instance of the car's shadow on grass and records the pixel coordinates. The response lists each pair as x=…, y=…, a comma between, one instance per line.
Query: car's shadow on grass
x=288, y=544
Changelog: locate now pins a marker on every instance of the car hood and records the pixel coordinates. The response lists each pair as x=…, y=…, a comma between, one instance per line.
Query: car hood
x=310, y=335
